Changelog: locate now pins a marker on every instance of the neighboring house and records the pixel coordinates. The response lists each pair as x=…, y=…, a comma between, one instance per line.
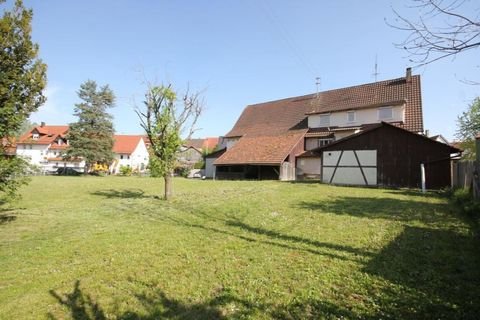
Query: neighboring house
x=193, y=150
x=188, y=155
x=130, y=151
x=268, y=137
x=44, y=146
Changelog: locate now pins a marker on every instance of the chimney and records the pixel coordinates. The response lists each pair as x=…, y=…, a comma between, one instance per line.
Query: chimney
x=42, y=124
x=408, y=75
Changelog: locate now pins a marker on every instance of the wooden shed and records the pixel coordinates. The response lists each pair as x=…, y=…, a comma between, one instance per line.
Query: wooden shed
x=385, y=155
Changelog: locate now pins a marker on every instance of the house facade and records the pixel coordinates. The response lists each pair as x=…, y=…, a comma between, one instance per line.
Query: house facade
x=130, y=151
x=44, y=147
x=268, y=139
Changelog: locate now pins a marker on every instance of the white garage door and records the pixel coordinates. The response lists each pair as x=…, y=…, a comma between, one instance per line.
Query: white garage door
x=353, y=167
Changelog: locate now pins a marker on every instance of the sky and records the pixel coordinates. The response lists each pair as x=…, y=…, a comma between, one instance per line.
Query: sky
x=236, y=53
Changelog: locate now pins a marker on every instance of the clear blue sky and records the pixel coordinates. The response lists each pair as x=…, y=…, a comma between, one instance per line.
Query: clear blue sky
x=240, y=52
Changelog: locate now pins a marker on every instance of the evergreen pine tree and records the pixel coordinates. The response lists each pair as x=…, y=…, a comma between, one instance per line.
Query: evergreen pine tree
x=91, y=137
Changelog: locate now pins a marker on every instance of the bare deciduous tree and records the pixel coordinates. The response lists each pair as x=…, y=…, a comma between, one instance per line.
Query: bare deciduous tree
x=164, y=122
x=442, y=30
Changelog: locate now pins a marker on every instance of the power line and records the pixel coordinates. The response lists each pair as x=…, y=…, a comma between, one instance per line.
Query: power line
x=285, y=35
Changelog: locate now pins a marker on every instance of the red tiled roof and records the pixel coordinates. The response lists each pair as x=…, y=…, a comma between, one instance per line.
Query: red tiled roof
x=210, y=143
x=281, y=115
x=382, y=93
x=202, y=144
x=47, y=134
x=262, y=150
x=126, y=144
x=194, y=143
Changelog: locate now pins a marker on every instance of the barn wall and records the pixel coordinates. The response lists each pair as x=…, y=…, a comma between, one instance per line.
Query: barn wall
x=399, y=155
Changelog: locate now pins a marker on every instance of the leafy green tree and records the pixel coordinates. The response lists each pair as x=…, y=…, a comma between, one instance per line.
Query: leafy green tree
x=22, y=79
x=468, y=127
x=91, y=137
x=164, y=122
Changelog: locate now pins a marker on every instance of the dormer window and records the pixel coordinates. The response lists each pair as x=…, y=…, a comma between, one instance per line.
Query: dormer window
x=59, y=142
x=35, y=136
x=385, y=113
x=350, y=116
x=324, y=120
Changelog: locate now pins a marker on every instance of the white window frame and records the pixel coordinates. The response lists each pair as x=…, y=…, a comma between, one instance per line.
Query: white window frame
x=386, y=118
x=324, y=141
x=35, y=136
x=325, y=115
x=354, y=116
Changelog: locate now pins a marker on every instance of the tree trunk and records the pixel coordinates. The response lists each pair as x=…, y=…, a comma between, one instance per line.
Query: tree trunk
x=168, y=186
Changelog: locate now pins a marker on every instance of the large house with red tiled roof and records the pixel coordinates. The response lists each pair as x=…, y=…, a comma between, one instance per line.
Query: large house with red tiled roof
x=267, y=139
x=44, y=147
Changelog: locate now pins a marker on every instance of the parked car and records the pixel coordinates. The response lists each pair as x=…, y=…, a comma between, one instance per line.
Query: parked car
x=67, y=172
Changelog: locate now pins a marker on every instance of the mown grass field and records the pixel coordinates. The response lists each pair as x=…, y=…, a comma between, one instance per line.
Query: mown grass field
x=109, y=248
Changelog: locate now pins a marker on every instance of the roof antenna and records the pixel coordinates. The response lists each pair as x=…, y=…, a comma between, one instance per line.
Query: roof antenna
x=317, y=83
x=375, y=74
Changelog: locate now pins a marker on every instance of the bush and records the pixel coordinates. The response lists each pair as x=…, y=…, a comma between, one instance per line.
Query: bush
x=183, y=171
x=463, y=199
x=199, y=165
x=125, y=170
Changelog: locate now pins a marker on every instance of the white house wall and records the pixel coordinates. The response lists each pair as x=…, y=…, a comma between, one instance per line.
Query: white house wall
x=209, y=167
x=134, y=160
x=139, y=157
x=362, y=116
x=230, y=142
x=309, y=167
x=35, y=153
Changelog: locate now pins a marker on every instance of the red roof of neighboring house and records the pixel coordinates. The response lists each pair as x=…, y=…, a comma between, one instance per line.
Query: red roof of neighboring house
x=126, y=144
x=202, y=144
x=47, y=134
x=210, y=143
x=262, y=150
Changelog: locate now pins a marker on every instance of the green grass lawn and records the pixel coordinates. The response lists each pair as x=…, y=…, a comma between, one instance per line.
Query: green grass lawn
x=108, y=248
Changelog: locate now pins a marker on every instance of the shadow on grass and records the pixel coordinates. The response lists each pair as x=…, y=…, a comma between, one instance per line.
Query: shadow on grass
x=437, y=270
x=299, y=240
x=81, y=306
x=6, y=218
x=223, y=304
x=124, y=194
x=379, y=208
x=7, y=215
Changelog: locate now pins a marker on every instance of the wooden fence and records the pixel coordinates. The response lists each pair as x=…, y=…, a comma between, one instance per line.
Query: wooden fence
x=465, y=174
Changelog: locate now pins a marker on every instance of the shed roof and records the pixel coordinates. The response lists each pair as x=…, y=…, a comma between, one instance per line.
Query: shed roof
x=317, y=151
x=262, y=150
